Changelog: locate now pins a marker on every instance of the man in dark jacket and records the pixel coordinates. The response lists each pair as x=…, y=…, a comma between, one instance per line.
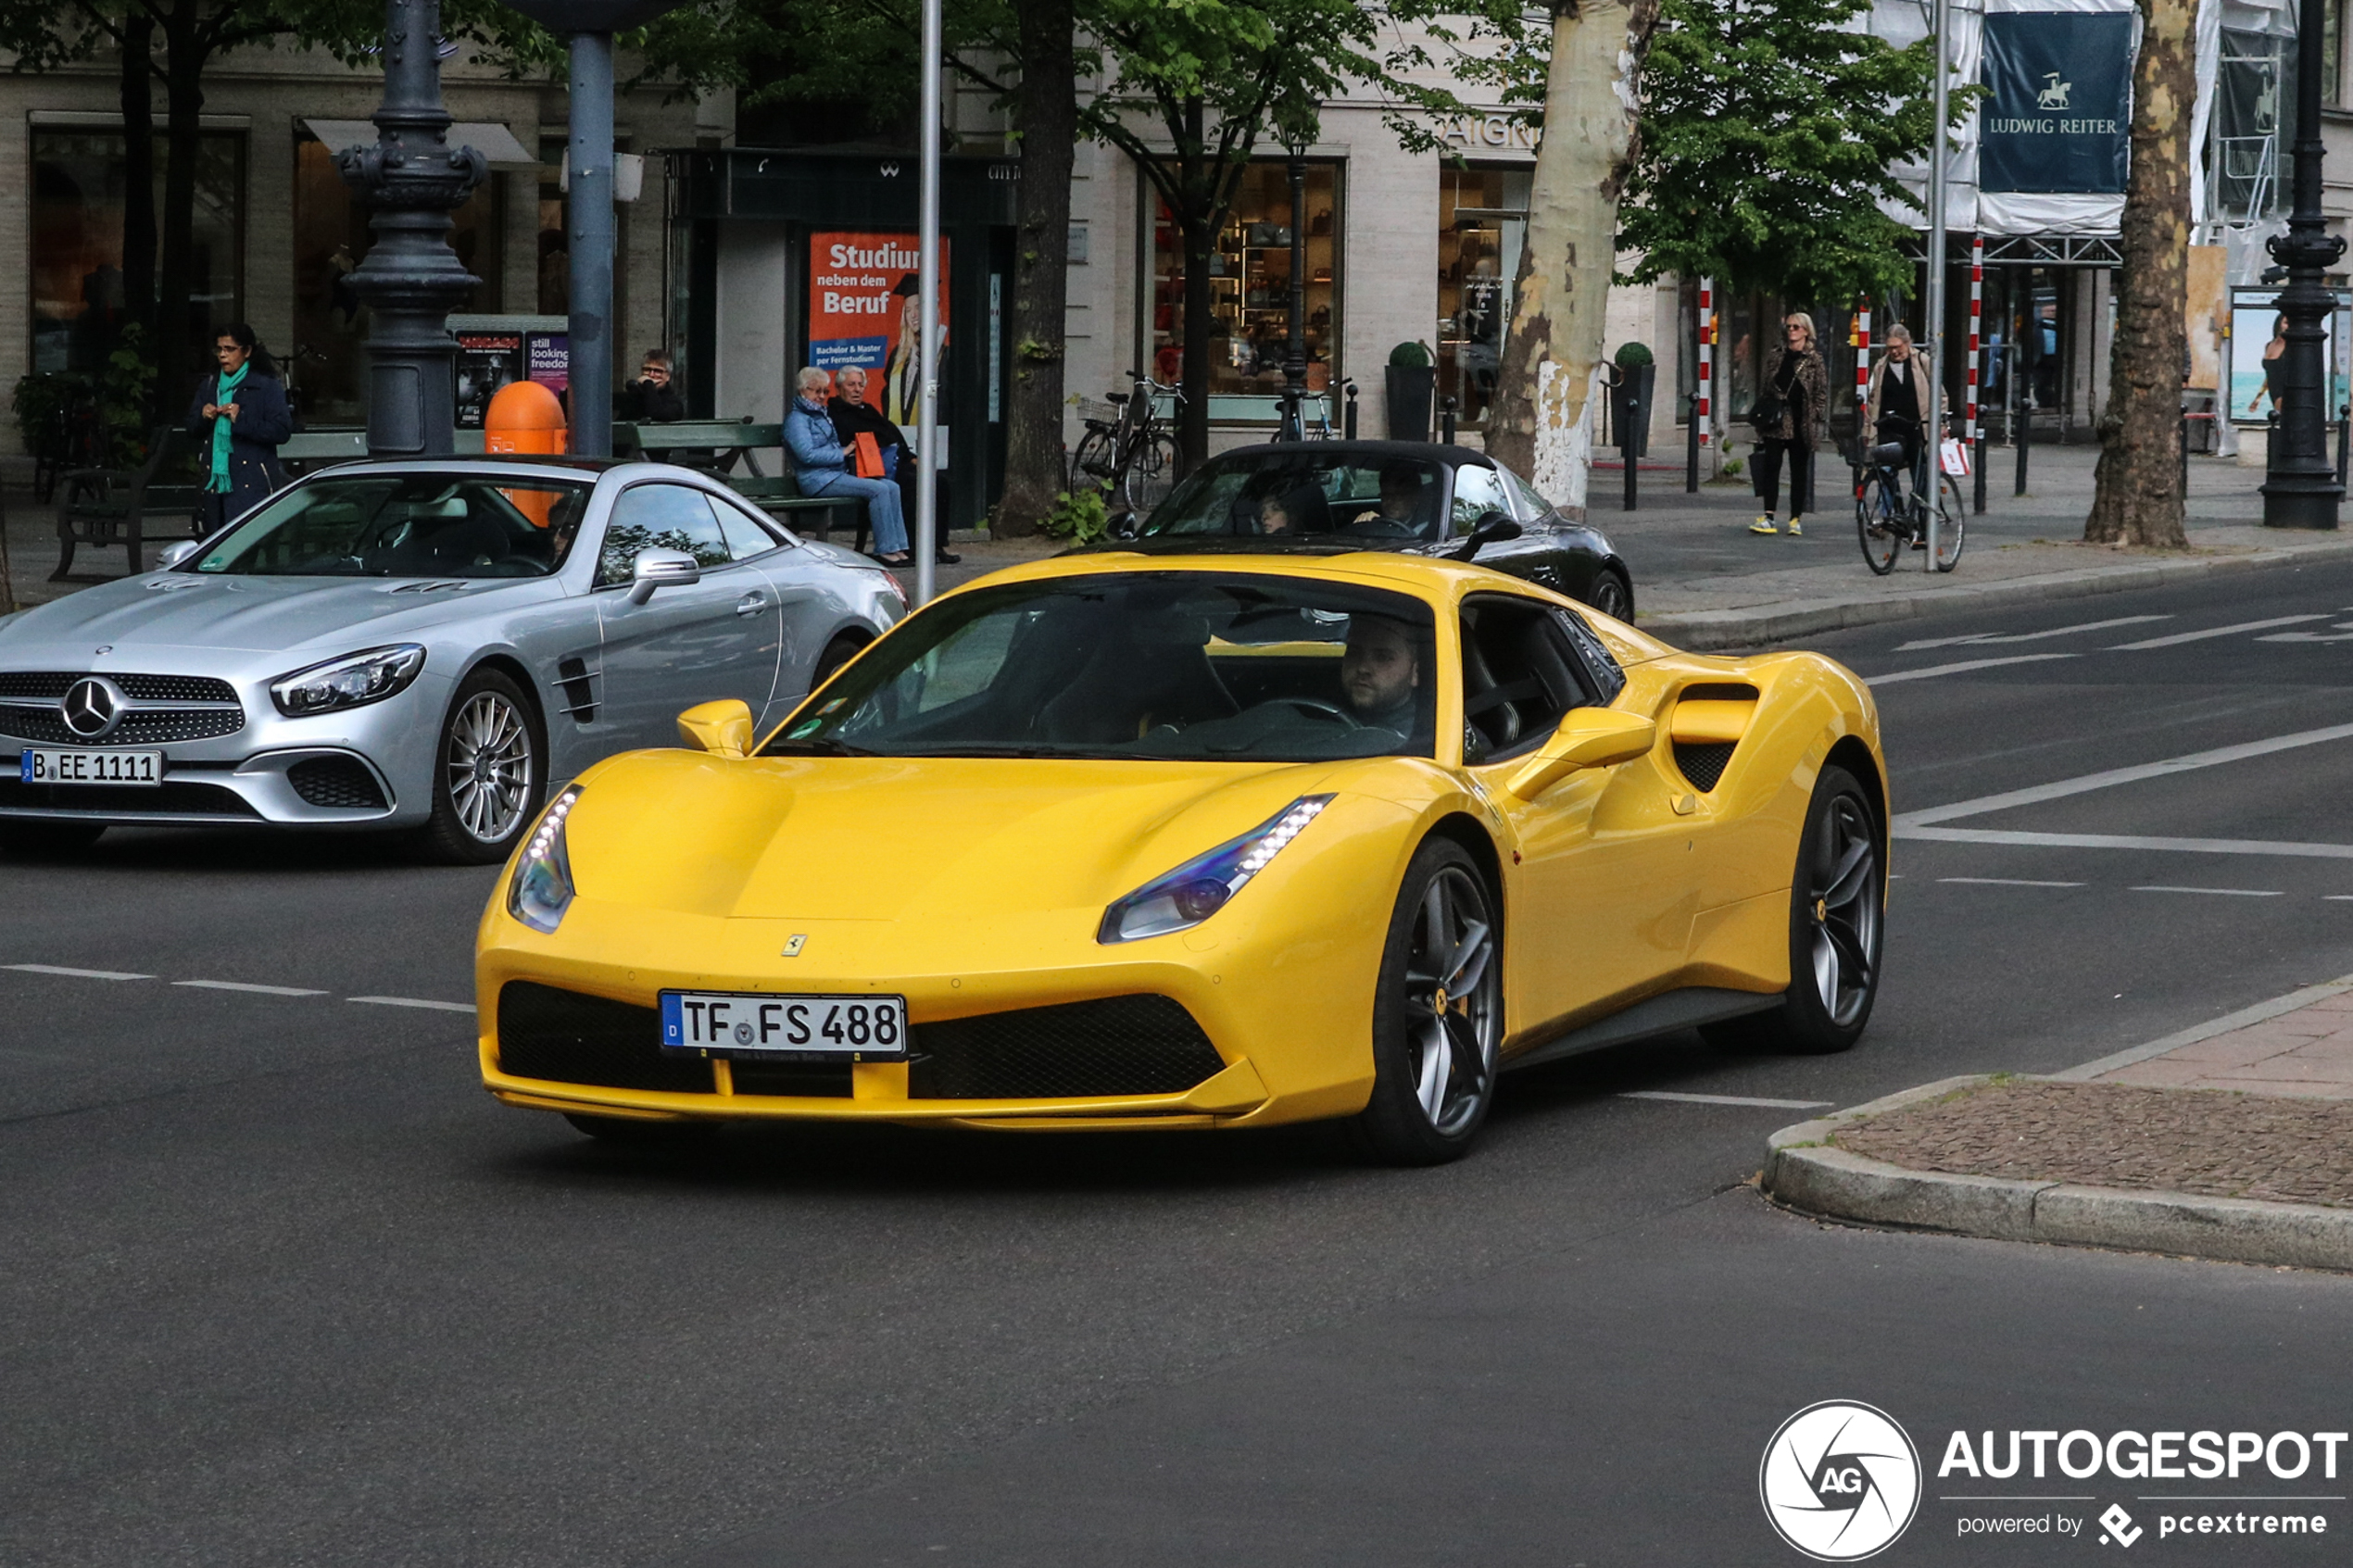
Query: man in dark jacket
x=853, y=417
x=652, y=399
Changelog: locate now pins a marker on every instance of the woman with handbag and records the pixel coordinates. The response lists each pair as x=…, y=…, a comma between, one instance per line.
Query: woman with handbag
x=1791, y=416
x=239, y=418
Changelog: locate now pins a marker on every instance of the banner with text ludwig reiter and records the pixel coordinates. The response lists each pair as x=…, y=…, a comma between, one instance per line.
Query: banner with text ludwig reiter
x=2057, y=110
x=862, y=312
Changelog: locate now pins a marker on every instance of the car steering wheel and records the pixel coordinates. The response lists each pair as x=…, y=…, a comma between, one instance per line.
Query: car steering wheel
x=1321, y=709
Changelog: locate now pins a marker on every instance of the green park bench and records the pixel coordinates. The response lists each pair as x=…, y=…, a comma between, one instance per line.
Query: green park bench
x=716, y=446
x=103, y=507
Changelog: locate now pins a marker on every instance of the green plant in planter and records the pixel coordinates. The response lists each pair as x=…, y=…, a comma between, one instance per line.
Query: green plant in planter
x=1411, y=354
x=1633, y=355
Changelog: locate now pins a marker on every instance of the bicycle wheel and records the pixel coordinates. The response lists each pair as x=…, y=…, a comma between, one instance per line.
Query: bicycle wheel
x=1952, y=522
x=1150, y=473
x=1876, y=522
x=1090, y=466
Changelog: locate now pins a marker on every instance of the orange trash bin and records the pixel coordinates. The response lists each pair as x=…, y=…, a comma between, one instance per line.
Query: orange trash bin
x=525, y=417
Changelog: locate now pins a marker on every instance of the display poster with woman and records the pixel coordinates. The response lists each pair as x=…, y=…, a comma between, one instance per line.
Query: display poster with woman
x=2256, y=341
x=862, y=306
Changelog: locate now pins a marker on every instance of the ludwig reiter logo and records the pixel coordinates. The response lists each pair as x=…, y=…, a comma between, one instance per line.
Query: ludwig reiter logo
x=91, y=708
x=1840, y=1481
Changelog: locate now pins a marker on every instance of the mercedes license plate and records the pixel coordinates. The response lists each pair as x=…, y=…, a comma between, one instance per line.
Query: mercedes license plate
x=762, y=1023
x=90, y=765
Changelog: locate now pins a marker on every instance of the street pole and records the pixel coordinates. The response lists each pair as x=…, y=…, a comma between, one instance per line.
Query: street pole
x=589, y=329
x=412, y=180
x=1936, y=240
x=1294, y=425
x=2301, y=489
x=927, y=319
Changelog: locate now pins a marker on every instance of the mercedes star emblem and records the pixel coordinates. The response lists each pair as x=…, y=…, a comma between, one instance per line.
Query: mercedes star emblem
x=91, y=708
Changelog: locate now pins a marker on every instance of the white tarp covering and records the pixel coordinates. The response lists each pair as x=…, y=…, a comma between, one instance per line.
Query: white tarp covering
x=495, y=142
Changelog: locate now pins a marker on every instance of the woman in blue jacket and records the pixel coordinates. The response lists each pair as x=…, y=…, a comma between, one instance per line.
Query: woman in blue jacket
x=239, y=418
x=821, y=466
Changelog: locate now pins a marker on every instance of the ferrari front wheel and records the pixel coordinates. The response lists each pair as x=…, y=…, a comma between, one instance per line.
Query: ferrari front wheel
x=1438, y=1013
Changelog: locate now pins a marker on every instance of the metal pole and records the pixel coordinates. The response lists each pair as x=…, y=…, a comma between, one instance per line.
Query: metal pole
x=1976, y=431
x=2302, y=489
x=2022, y=406
x=1702, y=412
x=589, y=380
x=1865, y=437
x=1937, y=261
x=927, y=315
x=1294, y=425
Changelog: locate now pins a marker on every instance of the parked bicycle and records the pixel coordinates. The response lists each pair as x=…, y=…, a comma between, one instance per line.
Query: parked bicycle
x=1132, y=458
x=1893, y=505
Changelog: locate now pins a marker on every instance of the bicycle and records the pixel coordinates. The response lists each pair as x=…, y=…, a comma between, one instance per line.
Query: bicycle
x=1132, y=457
x=1889, y=514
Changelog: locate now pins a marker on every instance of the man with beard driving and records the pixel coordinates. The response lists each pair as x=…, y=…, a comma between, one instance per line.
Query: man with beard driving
x=1379, y=673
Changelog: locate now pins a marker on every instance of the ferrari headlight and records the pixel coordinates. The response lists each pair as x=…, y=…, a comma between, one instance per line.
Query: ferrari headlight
x=541, y=891
x=350, y=682
x=1201, y=886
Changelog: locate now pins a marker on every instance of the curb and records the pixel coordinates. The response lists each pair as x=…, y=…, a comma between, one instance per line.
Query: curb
x=1709, y=631
x=1805, y=1172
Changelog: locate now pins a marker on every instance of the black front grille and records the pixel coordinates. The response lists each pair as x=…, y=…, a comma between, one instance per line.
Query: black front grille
x=565, y=1038
x=829, y=1080
x=54, y=684
x=342, y=781
x=1703, y=762
x=152, y=726
x=49, y=684
x=1118, y=1045
x=173, y=798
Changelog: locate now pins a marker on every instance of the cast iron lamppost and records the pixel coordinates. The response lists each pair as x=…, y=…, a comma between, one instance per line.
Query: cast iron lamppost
x=412, y=180
x=1294, y=425
x=2301, y=490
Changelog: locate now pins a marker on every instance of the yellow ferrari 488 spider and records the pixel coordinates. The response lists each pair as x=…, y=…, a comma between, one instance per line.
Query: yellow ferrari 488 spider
x=1215, y=841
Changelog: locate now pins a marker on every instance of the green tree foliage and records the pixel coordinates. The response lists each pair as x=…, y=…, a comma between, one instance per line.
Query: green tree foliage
x=1766, y=137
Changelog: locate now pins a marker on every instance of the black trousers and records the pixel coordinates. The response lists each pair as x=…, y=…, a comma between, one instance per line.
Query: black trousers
x=1767, y=464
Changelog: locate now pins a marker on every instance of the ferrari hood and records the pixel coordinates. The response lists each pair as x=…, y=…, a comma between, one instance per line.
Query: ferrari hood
x=250, y=614
x=885, y=839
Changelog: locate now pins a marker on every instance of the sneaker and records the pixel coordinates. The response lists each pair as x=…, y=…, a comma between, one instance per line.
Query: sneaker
x=1794, y=531
x=1763, y=525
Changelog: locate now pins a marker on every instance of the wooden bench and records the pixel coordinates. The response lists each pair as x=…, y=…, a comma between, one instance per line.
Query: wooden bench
x=109, y=507
x=716, y=446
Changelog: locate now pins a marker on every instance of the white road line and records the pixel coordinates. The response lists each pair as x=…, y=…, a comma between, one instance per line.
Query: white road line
x=2337, y=898
x=2114, y=776
x=1975, y=638
x=75, y=973
x=2180, y=637
x=413, y=1002
x=1964, y=667
x=243, y=985
x=1726, y=1099
x=2128, y=841
x=2222, y=892
x=2006, y=882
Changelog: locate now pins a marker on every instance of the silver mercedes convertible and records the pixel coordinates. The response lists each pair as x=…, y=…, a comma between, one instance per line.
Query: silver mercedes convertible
x=420, y=645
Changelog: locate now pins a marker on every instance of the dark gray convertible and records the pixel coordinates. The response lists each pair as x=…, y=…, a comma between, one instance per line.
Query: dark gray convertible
x=1408, y=496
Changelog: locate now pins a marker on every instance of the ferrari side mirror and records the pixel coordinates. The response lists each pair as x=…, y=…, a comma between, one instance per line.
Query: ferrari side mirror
x=1492, y=528
x=721, y=728
x=1589, y=737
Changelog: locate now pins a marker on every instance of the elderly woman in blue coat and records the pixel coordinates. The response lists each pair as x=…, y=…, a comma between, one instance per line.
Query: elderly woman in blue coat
x=239, y=418
x=821, y=465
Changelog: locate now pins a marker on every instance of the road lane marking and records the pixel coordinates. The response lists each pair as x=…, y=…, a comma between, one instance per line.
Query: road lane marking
x=413, y=1002
x=2113, y=776
x=2221, y=892
x=2180, y=637
x=1726, y=1099
x=75, y=973
x=244, y=986
x=2337, y=898
x=2008, y=882
x=1975, y=638
x=1964, y=667
x=2127, y=841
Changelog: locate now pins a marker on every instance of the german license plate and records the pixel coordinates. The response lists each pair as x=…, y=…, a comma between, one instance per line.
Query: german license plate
x=762, y=1023
x=90, y=765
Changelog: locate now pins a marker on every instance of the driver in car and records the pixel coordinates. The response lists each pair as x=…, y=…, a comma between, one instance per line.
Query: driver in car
x=1403, y=490
x=1378, y=672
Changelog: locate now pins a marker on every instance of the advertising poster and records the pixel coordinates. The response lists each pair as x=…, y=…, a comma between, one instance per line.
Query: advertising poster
x=548, y=359
x=486, y=361
x=2056, y=104
x=861, y=312
x=2255, y=326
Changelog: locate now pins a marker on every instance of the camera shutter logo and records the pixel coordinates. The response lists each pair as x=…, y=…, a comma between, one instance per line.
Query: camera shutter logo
x=1840, y=1481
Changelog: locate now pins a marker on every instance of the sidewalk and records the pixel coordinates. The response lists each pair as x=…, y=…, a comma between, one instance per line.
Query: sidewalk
x=2226, y=1141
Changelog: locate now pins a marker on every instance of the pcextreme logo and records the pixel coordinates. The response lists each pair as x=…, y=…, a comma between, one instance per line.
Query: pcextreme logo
x=1840, y=1481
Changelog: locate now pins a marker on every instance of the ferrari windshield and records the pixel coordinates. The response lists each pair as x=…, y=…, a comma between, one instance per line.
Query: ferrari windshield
x=419, y=524
x=1172, y=665
x=1297, y=493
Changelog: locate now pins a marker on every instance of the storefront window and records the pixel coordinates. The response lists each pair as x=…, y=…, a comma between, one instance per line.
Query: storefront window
x=1481, y=222
x=326, y=364
x=1250, y=287
x=79, y=302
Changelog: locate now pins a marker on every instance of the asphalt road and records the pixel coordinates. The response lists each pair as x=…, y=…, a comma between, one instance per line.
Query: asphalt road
x=283, y=1286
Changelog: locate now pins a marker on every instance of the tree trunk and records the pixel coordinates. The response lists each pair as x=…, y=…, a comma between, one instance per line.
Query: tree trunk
x=2136, y=497
x=138, y=172
x=1046, y=117
x=176, y=326
x=1543, y=418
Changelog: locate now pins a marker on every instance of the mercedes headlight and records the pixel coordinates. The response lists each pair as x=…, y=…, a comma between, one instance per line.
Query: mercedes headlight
x=349, y=682
x=541, y=891
x=1203, y=885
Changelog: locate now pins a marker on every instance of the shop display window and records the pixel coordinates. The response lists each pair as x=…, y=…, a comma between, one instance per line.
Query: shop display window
x=1481, y=228
x=1249, y=284
x=78, y=303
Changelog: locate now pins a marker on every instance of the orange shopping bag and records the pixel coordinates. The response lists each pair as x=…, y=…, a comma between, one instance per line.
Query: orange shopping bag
x=870, y=463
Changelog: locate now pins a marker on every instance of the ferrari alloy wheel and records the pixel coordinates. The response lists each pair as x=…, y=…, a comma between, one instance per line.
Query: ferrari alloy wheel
x=489, y=773
x=1438, y=1018
x=1835, y=901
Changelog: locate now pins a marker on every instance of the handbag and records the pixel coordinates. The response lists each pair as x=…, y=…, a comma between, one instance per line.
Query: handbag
x=870, y=462
x=1767, y=411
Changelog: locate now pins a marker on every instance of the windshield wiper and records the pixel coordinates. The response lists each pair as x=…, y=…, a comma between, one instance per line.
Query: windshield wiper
x=819, y=748
x=1064, y=753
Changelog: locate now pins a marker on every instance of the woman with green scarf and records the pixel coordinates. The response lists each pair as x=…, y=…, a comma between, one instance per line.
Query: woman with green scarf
x=239, y=418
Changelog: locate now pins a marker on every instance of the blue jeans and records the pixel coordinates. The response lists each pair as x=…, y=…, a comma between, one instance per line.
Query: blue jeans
x=882, y=506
